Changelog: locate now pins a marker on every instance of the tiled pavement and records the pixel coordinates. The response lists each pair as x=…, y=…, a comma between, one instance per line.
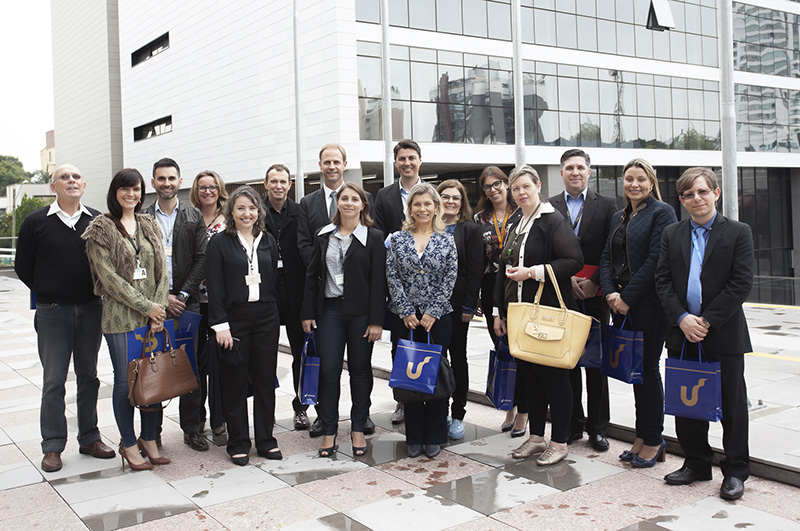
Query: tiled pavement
x=472, y=485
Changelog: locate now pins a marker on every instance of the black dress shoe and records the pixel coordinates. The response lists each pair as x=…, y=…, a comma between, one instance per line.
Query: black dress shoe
x=274, y=454
x=599, y=442
x=241, y=460
x=732, y=488
x=316, y=429
x=574, y=436
x=196, y=441
x=301, y=421
x=414, y=450
x=369, y=427
x=685, y=476
x=432, y=450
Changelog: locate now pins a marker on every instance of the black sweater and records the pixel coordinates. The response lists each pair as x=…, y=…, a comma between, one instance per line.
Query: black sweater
x=51, y=258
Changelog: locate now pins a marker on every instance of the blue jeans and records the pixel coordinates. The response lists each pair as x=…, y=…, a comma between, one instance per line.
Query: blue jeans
x=123, y=410
x=64, y=331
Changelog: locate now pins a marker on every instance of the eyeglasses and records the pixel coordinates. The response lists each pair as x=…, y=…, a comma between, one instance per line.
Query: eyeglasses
x=68, y=176
x=210, y=188
x=496, y=185
x=691, y=195
x=453, y=198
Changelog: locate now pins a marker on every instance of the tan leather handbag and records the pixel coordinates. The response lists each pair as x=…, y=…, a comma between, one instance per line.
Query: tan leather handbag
x=160, y=376
x=549, y=336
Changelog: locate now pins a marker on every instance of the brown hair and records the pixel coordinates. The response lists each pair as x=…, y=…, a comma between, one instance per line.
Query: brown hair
x=252, y=195
x=194, y=194
x=333, y=146
x=649, y=170
x=484, y=205
x=465, y=212
x=407, y=144
x=125, y=178
x=688, y=178
x=364, y=216
x=519, y=171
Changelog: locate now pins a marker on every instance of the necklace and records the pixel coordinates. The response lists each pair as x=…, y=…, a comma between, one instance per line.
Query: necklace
x=523, y=227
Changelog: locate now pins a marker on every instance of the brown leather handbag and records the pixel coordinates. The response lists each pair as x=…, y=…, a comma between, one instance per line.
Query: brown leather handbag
x=160, y=375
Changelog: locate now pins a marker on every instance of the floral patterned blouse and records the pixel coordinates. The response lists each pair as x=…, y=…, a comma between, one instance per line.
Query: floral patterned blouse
x=210, y=231
x=492, y=241
x=423, y=283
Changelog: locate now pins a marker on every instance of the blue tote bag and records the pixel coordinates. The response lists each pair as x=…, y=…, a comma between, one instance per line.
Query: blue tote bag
x=309, y=373
x=693, y=389
x=623, y=354
x=593, y=352
x=416, y=366
x=502, y=378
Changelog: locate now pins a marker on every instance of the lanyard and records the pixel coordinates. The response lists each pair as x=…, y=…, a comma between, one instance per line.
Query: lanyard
x=252, y=250
x=167, y=234
x=500, y=231
x=525, y=227
x=138, y=245
x=577, y=219
x=210, y=223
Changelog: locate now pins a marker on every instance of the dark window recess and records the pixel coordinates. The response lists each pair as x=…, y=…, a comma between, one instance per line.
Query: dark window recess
x=154, y=128
x=150, y=49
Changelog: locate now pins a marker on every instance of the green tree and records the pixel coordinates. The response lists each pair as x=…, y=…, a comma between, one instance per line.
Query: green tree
x=25, y=207
x=11, y=172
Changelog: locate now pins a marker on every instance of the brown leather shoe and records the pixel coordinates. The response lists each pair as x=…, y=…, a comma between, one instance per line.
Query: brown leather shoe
x=99, y=450
x=301, y=421
x=196, y=441
x=51, y=462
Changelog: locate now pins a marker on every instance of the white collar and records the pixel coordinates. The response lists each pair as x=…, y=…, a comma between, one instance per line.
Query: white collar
x=360, y=233
x=174, y=210
x=55, y=208
x=329, y=190
x=403, y=190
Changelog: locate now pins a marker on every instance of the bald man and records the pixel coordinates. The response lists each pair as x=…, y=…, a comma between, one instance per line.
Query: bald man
x=51, y=261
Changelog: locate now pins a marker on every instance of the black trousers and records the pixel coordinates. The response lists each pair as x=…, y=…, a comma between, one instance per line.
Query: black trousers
x=487, y=302
x=597, y=408
x=458, y=361
x=426, y=422
x=547, y=386
x=205, y=334
x=336, y=330
x=256, y=326
x=290, y=317
x=693, y=433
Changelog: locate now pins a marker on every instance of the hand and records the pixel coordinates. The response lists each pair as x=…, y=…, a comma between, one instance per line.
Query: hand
x=157, y=313
x=694, y=328
x=466, y=317
x=156, y=326
x=411, y=321
x=427, y=322
x=577, y=292
x=479, y=309
x=309, y=325
x=616, y=304
x=224, y=339
x=373, y=333
x=175, y=306
x=500, y=327
x=587, y=287
x=519, y=274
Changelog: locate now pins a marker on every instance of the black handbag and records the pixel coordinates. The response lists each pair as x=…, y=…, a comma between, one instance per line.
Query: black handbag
x=445, y=385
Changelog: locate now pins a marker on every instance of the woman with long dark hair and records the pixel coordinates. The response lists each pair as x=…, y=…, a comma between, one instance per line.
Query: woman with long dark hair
x=127, y=259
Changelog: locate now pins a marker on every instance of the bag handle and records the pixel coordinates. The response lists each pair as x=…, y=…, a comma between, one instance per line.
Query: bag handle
x=535, y=309
x=699, y=350
x=411, y=335
x=145, y=342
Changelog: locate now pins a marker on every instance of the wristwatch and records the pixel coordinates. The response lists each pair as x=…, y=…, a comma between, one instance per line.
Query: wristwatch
x=182, y=296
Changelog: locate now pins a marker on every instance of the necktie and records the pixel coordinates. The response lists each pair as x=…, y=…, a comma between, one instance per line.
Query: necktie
x=694, y=291
x=332, y=209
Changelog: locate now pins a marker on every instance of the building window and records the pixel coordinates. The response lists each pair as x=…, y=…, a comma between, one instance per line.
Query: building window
x=154, y=128
x=150, y=49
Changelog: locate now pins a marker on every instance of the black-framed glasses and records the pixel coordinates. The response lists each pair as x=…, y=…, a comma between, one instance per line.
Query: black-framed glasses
x=210, y=188
x=496, y=185
x=453, y=198
x=691, y=195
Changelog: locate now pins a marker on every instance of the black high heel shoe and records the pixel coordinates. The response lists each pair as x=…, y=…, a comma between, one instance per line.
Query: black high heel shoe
x=328, y=452
x=358, y=451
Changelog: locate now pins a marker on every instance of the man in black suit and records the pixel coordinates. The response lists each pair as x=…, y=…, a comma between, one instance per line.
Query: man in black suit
x=281, y=222
x=317, y=210
x=590, y=215
x=705, y=273
x=390, y=209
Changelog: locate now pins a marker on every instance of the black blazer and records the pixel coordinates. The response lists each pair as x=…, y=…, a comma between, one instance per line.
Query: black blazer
x=552, y=241
x=469, y=244
x=226, y=267
x=314, y=216
x=294, y=270
x=726, y=280
x=389, y=215
x=364, y=278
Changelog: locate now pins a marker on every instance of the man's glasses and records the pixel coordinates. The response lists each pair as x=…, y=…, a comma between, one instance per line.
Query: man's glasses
x=496, y=185
x=68, y=176
x=689, y=196
x=211, y=188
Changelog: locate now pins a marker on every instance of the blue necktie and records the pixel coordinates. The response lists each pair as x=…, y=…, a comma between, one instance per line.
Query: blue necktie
x=694, y=292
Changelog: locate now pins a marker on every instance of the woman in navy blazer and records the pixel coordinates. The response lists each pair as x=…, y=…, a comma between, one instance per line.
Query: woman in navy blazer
x=469, y=244
x=627, y=277
x=421, y=269
x=344, y=301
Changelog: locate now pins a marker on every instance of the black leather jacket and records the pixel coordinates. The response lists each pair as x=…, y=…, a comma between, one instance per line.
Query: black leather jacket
x=188, y=249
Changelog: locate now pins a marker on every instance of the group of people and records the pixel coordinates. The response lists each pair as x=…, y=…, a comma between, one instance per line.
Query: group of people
x=331, y=266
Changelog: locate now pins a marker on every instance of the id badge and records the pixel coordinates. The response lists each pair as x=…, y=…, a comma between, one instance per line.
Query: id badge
x=280, y=263
x=139, y=273
x=339, y=279
x=252, y=279
x=168, y=251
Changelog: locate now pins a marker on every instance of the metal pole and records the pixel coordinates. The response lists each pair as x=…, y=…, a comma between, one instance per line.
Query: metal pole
x=299, y=175
x=386, y=102
x=519, y=95
x=14, y=217
x=730, y=175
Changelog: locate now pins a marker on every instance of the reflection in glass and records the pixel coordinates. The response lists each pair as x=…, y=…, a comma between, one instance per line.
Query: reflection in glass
x=590, y=130
x=647, y=132
x=589, y=96
x=680, y=128
x=544, y=27
x=627, y=132
x=645, y=101
x=608, y=97
x=369, y=77
x=369, y=119
x=401, y=120
x=448, y=16
x=711, y=105
x=423, y=82
x=627, y=95
x=695, y=104
x=570, y=128
x=663, y=100
x=609, y=130
x=451, y=122
x=548, y=125
x=663, y=133
x=567, y=94
x=424, y=121
x=547, y=90
x=679, y=103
